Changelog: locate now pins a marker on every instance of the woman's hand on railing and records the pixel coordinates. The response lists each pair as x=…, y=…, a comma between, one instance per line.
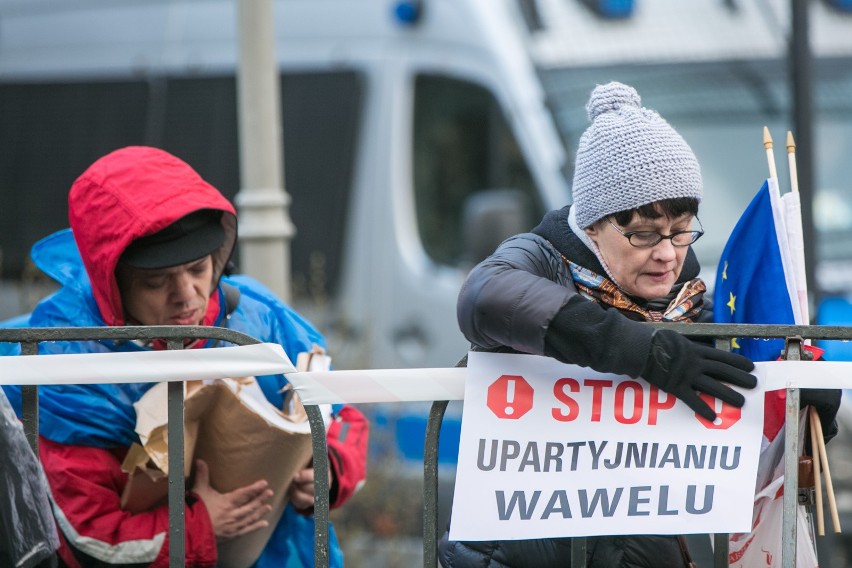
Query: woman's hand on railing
x=237, y=512
x=686, y=369
x=827, y=403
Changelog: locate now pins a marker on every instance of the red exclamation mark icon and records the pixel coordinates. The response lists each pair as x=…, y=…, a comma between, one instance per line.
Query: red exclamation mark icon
x=510, y=396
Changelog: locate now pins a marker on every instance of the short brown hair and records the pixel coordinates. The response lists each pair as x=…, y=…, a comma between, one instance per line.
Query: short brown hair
x=671, y=208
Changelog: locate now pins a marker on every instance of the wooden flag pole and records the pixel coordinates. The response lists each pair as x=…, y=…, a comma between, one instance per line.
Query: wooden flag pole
x=791, y=158
x=829, y=489
x=817, y=481
x=817, y=441
x=770, y=155
x=801, y=278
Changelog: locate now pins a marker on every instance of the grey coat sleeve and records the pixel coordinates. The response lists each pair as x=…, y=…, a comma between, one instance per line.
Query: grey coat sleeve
x=523, y=297
x=510, y=298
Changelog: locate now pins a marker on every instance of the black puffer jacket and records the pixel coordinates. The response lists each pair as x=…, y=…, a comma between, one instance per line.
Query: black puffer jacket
x=601, y=552
x=523, y=298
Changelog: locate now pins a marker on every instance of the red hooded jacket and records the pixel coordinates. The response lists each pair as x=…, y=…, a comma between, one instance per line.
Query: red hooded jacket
x=127, y=194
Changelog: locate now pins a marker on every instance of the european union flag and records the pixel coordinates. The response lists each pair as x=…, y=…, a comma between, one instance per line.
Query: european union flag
x=751, y=283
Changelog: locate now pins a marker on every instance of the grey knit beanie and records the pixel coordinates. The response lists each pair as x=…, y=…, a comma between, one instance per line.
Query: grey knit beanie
x=628, y=157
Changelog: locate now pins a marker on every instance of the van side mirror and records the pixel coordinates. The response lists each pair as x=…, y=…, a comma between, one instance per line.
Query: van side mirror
x=489, y=217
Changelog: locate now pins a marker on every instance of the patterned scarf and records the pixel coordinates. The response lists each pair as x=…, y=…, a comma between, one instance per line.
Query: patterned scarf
x=686, y=304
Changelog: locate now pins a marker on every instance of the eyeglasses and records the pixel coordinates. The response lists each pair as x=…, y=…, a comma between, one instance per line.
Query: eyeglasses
x=648, y=239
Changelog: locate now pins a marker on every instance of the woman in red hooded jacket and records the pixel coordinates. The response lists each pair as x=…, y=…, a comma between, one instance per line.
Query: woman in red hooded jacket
x=148, y=245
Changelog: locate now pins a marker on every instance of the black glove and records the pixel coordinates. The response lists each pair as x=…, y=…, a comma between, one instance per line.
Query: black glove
x=827, y=403
x=683, y=368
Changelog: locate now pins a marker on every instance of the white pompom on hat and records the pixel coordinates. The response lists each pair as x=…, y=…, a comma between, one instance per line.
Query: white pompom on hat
x=628, y=157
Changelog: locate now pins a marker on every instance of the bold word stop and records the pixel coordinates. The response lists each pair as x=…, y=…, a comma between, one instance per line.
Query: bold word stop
x=510, y=396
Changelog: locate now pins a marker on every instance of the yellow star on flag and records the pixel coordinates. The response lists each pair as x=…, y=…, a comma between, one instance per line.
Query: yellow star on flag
x=734, y=344
x=732, y=302
x=725, y=271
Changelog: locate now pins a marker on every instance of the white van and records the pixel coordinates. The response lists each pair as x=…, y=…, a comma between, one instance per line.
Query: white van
x=415, y=139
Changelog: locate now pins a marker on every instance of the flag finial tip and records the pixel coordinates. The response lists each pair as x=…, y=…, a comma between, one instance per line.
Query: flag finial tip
x=767, y=138
x=791, y=144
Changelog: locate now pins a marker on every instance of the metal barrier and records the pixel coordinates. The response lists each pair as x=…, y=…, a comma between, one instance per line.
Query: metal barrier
x=174, y=336
x=29, y=338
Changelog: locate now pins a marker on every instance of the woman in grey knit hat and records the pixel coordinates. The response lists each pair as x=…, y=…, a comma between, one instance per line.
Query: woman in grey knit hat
x=579, y=286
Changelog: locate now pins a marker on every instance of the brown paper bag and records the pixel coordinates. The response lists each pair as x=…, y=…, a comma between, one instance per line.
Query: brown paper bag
x=241, y=436
x=242, y=447
x=147, y=486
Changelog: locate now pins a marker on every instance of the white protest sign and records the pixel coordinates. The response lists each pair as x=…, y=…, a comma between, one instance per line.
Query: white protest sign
x=553, y=450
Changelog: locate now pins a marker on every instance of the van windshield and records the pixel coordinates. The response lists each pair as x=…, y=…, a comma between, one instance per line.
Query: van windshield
x=466, y=157
x=720, y=108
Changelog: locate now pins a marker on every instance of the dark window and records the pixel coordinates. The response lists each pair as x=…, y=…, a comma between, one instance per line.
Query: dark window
x=322, y=113
x=50, y=134
x=53, y=131
x=462, y=146
x=196, y=120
